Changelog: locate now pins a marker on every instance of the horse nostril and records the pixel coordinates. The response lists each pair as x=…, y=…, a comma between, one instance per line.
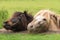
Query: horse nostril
x=31, y=26
x=6, y=22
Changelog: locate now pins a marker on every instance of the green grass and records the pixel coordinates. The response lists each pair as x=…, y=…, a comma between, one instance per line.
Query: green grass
x=18, y=36
x=8, y=7
x=3, y=16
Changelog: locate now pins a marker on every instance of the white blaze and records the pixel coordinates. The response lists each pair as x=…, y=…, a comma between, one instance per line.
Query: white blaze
x=39, y=18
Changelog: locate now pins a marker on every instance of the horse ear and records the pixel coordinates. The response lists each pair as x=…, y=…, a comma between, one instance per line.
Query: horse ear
x=59, y=23
x=57, y=20
x=54, y=17
x=25, y=12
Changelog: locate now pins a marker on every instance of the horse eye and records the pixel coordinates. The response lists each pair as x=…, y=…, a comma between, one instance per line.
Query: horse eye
x=44, y=19
x=14, y=20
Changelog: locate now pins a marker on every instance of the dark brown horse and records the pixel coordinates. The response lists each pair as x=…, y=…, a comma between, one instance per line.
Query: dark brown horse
x=18, y=22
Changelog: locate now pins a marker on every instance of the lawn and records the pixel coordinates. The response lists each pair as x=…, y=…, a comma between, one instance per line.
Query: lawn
x=8, y=7
x=19, y=36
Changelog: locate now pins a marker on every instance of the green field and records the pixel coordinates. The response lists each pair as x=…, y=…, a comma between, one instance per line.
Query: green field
x=19, y=36
x=8, y=7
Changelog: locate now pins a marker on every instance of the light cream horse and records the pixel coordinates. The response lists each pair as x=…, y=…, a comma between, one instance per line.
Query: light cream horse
x=44, y=20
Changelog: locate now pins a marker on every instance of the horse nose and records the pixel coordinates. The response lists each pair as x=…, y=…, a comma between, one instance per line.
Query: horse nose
x=30, y=28
x=6, y=25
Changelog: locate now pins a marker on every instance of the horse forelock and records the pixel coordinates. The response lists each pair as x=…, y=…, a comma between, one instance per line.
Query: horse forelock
x=39, y=18
x=44, y=14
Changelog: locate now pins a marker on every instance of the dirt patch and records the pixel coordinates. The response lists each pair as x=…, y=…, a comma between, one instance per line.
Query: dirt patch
x=9, y=31
x=5, y=31
x=26, y=32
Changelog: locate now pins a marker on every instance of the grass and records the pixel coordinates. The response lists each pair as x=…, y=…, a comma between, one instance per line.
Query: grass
x=8, y=7
x=3, y=16
x=18, y=36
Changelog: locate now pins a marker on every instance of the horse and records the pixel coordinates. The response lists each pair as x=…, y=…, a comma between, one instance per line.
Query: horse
x=44, y=21
x=18, y=21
